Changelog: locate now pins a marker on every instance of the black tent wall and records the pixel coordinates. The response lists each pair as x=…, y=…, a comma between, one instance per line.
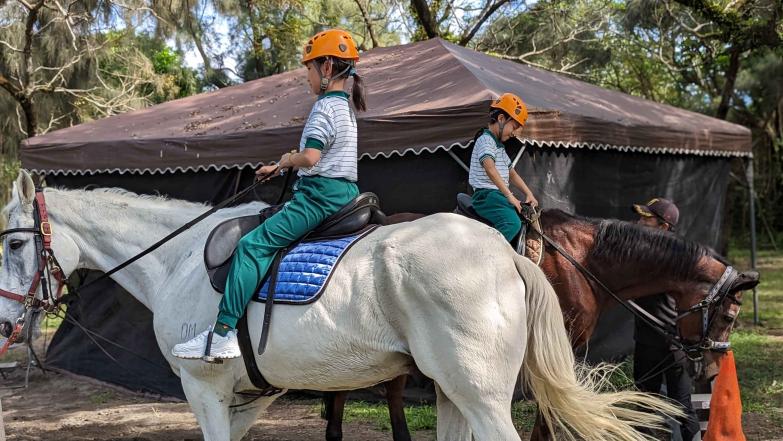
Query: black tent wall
x=585, y=182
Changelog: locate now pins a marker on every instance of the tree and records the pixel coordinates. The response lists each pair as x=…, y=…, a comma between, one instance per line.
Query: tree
x=64, y=63
x=192, y=22
x=561, y=36
x=457, y=21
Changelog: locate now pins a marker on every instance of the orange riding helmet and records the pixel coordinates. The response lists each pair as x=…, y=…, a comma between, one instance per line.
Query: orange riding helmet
x=330, y=43
x=513, y=106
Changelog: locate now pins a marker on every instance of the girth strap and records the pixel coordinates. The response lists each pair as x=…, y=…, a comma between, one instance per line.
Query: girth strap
x=243, y=335
x=246, y=347
x=270, y=301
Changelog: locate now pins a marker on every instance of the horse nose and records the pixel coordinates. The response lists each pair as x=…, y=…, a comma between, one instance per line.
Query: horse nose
x=6, y=328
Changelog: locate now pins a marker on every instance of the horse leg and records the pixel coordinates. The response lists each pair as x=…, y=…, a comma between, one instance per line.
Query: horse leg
x=480, y=389
x=540, y=430
x=452, y=426
x=209, y=399
x=394, y=390
x=243, y=417
x=335, y=407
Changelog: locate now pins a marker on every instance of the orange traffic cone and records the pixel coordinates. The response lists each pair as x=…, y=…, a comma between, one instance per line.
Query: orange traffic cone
x=725, y=422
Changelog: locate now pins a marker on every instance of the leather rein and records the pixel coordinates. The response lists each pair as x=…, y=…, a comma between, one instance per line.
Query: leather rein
x=716, y=294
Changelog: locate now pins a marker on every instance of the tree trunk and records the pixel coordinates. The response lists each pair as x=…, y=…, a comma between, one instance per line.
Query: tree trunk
x=728, y=85
x=425, y=18
x=485, y=15
x=367, y=23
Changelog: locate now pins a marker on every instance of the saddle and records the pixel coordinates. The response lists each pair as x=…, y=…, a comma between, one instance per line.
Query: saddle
x=356, y=219
x=364, y=210
x=527, y=243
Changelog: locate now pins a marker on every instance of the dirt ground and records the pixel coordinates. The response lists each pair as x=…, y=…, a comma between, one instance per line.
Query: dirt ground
x=58, y=407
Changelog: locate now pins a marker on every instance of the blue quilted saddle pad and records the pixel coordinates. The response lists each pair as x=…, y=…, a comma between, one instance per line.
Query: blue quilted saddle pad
x=305, y=270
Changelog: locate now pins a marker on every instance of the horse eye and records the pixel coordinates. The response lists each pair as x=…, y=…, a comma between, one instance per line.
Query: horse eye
x=728, y=317
x=15, y=244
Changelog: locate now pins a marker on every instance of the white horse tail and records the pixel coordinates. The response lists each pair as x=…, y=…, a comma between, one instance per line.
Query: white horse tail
x=567, y=392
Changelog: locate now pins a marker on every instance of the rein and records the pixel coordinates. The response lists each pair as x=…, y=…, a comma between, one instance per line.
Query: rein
x=716, y=294
x=191, y=223
x=49, y=267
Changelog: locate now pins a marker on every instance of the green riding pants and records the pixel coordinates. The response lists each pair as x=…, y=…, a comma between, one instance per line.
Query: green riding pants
x=494, y=207
x=315, y=198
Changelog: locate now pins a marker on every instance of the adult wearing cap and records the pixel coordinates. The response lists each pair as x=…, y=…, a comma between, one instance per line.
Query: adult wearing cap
x=654, y=356
x=491, y=171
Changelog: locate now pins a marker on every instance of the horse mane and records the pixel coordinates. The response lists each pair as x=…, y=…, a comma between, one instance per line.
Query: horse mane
x=661, y=252
x=121, y=193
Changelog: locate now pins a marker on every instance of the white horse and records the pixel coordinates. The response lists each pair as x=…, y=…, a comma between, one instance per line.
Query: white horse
x=445, y=292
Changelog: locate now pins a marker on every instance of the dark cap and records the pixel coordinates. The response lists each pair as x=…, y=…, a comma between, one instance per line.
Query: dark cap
x=661, y=208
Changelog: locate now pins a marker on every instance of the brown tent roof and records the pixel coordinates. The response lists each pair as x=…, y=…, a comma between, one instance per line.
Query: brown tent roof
x=422, y=96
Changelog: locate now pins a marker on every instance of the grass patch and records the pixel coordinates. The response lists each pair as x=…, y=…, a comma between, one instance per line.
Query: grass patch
x=101, y=397
x=770, y=290
x=759, y=349
x=51, y=323
x=424, y=417
x=418, y=417
x=759, y=361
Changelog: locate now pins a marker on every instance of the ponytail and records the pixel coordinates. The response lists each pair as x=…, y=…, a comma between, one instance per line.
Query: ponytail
x=357, y=93
x=346, y=69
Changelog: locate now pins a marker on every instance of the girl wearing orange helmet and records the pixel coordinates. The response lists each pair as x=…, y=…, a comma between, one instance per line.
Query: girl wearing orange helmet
x=327, y=170
x=491, y=171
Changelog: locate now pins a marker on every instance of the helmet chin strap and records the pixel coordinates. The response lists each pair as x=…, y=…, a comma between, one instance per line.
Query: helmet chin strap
x=325, y=81
x=501, y=126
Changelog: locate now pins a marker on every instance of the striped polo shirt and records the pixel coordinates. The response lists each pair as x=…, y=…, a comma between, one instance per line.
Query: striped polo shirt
x=331, y=128
x=487, y=146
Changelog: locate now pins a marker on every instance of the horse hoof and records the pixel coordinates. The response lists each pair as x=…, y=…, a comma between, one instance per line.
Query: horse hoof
x=334, y=438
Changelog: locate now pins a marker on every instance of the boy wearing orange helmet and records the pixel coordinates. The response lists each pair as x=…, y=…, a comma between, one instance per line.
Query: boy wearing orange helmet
x=491, y=170
x=327, y=175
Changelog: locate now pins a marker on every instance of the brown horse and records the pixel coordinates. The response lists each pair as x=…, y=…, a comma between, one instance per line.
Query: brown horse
x=630, y=260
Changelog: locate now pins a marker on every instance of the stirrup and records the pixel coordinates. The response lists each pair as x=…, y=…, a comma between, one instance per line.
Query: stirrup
x=207, y=358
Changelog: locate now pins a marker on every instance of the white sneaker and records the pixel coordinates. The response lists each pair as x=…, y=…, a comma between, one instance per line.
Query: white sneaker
x=222, y=347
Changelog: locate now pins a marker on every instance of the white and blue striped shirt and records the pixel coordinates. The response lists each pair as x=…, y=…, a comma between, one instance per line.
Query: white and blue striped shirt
x=487, y=146
x=332, y=123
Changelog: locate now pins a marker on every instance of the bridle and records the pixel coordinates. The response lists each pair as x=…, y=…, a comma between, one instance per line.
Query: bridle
x=715, y=296
x=48, y=268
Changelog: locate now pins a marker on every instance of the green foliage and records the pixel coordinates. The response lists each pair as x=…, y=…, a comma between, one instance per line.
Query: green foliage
x=770, y=290
x=424, y=417
x=9, y=169
x=418, y=417
x=759, y=361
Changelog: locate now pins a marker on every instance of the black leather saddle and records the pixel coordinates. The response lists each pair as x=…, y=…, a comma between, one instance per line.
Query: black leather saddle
x=222, y=241
x=465, y=208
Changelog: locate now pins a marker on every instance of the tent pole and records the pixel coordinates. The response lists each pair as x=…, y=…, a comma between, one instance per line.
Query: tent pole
x=519, y=155
x=459, y=161
x=752, y=197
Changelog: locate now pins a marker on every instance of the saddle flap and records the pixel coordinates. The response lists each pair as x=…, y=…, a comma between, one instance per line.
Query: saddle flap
x=223, y=239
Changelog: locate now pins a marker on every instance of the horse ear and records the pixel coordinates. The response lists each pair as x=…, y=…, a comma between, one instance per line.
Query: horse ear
x=745, y=281
x=25, y=187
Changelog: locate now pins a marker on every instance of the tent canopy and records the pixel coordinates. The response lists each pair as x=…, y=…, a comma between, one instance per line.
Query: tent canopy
x=422, y=96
